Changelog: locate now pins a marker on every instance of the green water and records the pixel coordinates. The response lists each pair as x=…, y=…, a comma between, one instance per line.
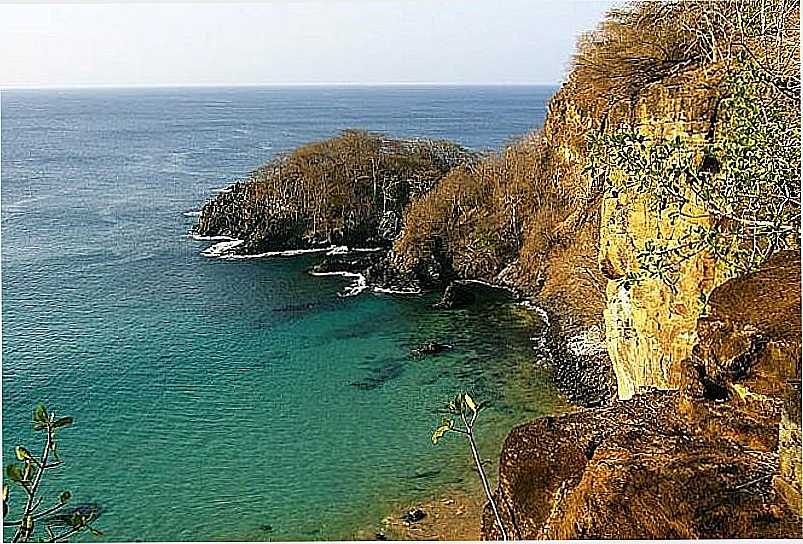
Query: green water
x=231, y=400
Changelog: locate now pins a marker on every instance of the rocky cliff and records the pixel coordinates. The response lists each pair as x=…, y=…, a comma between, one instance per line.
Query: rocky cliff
x=349, y=190
x=650, y=325
x=703, y=439
x=710, y=461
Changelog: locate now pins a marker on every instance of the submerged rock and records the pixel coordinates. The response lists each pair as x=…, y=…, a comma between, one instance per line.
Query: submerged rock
x=413, y=515
x=379, y=376
x=430, y=348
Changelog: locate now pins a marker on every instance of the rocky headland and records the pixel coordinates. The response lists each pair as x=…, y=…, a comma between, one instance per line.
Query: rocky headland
x=672, y=311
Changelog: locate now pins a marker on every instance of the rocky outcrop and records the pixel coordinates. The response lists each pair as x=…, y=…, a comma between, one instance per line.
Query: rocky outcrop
x=790, y=455
x=237, y=212
x=749, y=350
x=651, y=467
x=720, y=458
x=749, y=340
x=466, y=293
x=581, y=366
x=349, y=190
x=351, y=262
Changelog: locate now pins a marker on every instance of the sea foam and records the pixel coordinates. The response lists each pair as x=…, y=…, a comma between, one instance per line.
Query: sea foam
x=358, y=286
x=285, y=253
x=220, y=249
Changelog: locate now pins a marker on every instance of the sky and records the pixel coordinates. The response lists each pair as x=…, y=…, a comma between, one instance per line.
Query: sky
x=290, y=42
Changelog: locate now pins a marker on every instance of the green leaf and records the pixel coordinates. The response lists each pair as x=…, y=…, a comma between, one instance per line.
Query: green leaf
x=14, y=472
x=438, y=434
x=445, y=427
x=40, y=413
x=470, y=402
x=65, y=496
x=22, y=453
x=62, y=422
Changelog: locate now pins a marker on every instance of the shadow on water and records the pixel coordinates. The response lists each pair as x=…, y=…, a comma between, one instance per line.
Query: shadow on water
x=377, y=377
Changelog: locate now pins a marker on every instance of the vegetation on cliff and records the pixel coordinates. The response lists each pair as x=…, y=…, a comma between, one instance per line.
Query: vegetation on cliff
x=521, y=204
x=346, y=190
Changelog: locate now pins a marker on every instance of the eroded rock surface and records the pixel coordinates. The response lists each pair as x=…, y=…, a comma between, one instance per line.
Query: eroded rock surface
x=720, y=458
x=657, y=466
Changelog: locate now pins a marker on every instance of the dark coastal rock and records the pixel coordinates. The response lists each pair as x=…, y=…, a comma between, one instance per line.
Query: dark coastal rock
x=385, y=275
x=584, y=377
x=466, y=293
x=454, y=297
x=354, y=262
x=413, y=515
x=657, y=466
x=238, y=213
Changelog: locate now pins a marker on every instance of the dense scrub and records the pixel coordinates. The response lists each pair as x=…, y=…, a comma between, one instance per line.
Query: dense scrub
x=527, y=202
x=350, y=189
x=477, y=218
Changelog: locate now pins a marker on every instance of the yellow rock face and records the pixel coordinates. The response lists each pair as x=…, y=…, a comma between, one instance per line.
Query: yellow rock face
x=650, y=329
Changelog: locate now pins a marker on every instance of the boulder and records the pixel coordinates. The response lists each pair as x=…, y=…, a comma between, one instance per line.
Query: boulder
x=651, y=467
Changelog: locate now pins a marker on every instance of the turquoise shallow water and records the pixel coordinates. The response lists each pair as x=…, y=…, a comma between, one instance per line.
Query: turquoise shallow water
x=233, y=400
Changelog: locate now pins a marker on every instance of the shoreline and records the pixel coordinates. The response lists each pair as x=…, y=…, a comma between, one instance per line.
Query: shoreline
x=456, y=512
x=455, y=515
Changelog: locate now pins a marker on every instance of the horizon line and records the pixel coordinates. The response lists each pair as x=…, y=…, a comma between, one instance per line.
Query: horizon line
x=267, y=85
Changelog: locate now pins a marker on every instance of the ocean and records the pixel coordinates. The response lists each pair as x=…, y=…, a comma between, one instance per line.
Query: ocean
x=234, y=399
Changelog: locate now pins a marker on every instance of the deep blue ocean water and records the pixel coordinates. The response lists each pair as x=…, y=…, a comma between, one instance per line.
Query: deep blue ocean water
x=234, y=400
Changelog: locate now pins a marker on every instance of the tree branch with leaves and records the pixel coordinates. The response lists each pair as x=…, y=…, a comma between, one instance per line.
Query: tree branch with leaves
x=28, y=473
x=464, y=407
x=738, y=193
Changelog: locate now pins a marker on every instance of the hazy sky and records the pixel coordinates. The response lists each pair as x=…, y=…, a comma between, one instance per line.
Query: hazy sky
x=292, y=42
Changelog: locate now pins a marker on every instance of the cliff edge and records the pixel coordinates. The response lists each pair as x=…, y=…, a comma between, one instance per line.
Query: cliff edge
x=719, y=458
